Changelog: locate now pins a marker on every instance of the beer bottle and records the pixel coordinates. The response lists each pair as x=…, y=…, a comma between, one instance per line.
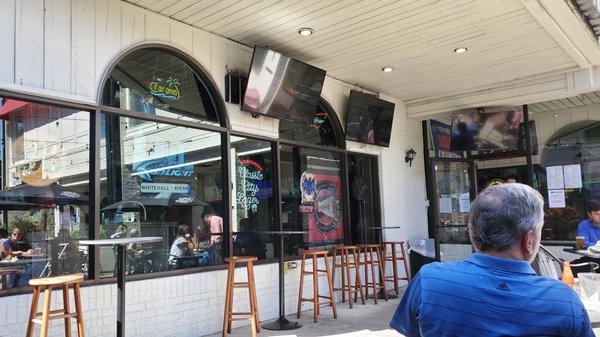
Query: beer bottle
x=567, y=275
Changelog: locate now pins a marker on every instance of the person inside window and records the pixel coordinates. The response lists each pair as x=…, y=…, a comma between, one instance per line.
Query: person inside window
x=180, y=247
x=120, y=232
x=511, y=179
x=15, y=245
x=3, y=237
x=215, y=224
x=247, y=242
x=590, y=228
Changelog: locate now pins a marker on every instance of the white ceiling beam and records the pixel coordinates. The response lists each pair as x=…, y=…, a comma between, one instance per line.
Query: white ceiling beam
x=568, y=28
x=527, y=91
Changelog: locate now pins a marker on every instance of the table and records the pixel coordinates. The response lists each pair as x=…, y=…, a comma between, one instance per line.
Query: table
x=582, y=252
x=121, y=243
x=281, y=323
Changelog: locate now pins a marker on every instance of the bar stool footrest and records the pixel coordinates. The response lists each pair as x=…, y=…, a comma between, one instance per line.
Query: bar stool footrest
x=55, y=316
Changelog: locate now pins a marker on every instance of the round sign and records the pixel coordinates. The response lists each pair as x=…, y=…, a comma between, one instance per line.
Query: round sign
x=327, y=208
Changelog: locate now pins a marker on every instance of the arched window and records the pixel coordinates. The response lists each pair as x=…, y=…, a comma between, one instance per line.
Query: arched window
x=325, y=130
x=573, y=152
x=158, y=82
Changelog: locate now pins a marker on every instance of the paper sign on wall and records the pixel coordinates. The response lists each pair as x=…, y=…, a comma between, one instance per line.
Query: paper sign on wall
x=445, y=205
x=556, y=199
x=464, y=203
x=572, y=175
x=554, y=175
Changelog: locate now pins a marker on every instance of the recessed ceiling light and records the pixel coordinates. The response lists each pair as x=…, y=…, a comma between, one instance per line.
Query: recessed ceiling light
x=305, y=31
x=555, y=115
x=460, y=50
x=387, y=69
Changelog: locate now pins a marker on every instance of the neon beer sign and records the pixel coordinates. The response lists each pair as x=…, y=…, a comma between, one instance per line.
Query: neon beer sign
x=168, y=91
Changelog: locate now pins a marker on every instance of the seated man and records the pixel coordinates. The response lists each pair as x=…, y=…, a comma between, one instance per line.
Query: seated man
x=590, y=228
x=495, y=292
x=14, y=244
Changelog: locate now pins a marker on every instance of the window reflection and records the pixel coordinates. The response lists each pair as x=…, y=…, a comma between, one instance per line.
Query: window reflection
x=44, y=199
x=254, y=203
x=312, y=198
x=161, y=180
x=577, y=146
x=156, y=82
x=320, y=132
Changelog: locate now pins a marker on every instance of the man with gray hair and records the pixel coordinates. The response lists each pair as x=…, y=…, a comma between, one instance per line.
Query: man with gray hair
x=495, y=292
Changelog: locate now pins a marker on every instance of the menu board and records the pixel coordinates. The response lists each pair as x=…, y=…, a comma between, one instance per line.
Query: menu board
x=555, y=177
x=556, y=199
x=572, y=176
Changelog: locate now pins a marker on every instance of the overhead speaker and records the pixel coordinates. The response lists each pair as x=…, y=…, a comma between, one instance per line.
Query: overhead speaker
x=235, y=88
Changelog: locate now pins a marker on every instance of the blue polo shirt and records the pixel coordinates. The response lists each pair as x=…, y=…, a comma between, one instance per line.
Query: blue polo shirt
x=488, y=296
x=591, y=233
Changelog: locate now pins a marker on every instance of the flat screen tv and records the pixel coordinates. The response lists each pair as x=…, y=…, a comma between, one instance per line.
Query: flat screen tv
x=282, y=87
x=369, y=119
x=474, y=130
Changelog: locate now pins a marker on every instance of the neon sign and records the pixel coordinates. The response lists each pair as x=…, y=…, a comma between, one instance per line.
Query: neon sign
x=169, y=92
x=249, y=174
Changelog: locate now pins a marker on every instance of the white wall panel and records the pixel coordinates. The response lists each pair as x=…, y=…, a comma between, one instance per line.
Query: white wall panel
x=83, y=61
x=158, y=28
x=7, y=36
x=108, y=36
x=201, y=48
x=29, y=43
x=182, y=37
x=133, y=26
x=57, y=46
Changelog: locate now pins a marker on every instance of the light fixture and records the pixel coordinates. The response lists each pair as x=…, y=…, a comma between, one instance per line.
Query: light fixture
x=387, y=69
x=410, y=156
x=306, y=31
x=460, y=50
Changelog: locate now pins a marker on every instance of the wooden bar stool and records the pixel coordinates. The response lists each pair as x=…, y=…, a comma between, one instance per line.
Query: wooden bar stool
x=314, y=254
x=345, y=265
x=46, y=285
x=230, y=316
x=370, y=262
x=393, y=258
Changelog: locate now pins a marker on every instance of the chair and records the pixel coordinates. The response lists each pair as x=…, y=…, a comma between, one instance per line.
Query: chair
x=43, y=318
x=348, y=261
x=314, y=255
x=229, y=315
x=372, y=259
x=545, y=264
x=393, y=258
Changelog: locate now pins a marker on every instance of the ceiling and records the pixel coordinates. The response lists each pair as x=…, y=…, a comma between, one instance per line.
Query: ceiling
x=566, y=103
x=354, y=39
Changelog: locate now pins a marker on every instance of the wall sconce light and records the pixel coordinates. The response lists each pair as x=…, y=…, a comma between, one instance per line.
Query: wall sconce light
x=410, y=156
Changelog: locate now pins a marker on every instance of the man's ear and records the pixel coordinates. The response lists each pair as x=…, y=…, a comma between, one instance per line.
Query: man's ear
x=528, y=242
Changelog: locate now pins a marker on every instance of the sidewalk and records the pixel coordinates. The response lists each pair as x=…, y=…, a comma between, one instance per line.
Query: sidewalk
x=367, y=320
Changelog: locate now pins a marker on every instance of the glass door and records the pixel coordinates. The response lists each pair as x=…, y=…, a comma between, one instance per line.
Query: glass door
x=364, y=198
x=454, y=188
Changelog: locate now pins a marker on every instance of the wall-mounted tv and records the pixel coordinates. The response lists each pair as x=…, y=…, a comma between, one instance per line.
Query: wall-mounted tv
x=477, y=130
x=369, y=119
x=282, y=87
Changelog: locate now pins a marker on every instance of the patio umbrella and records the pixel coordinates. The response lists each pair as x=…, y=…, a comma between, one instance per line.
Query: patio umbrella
x=171, y=200
x=50, y=194
x=11, y=205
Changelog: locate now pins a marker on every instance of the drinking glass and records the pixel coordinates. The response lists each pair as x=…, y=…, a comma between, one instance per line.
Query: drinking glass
x=589, y=285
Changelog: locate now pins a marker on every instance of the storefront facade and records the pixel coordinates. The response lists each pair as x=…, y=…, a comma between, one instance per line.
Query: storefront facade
x=565, y=142
x=118, y=114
